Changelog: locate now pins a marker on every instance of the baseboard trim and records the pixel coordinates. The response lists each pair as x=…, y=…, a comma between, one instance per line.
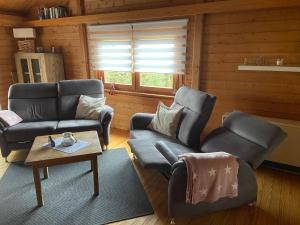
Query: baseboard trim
x=281, y=166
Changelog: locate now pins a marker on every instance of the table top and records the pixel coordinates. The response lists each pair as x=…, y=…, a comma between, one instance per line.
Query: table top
x=41, y=154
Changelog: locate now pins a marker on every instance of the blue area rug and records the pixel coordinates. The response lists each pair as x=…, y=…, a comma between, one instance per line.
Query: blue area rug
x=68, y=194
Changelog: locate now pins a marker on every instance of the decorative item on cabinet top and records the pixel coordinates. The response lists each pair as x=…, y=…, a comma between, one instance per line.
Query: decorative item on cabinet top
x=28, y=34
x=39, y=67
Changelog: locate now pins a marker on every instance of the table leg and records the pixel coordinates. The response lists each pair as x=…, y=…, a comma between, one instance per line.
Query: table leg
x=46, y=172
x=38, y=189
x=94, y=164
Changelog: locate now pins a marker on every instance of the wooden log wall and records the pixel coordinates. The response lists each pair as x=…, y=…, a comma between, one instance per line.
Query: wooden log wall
x=65, y=39
x=7, y=63
x=228, y=39
x=100, y=6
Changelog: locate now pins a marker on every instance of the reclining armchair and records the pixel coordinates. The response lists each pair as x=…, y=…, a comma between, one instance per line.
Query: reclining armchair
x=198, y=107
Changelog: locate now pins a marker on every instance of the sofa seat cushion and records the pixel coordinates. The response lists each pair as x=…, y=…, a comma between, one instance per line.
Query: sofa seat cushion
x=222, y=139
x=151, y=136
x=78, y=125
x=27, y=131
x=148, y=155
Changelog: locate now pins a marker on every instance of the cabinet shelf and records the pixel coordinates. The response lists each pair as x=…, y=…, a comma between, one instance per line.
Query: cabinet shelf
x=294, y=69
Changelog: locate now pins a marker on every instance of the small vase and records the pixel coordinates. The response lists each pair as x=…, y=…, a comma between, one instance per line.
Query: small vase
x=68, y=139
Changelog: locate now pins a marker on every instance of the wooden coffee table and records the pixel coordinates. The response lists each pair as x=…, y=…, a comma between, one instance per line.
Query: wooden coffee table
x=41, y=157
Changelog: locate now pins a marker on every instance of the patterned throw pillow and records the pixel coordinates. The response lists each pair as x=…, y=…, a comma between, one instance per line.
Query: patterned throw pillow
x=9, y=118
x=166, y=119
x=89, y=107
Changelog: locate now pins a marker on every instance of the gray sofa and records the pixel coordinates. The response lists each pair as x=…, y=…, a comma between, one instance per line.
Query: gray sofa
x=242, y=135
x=50, y=108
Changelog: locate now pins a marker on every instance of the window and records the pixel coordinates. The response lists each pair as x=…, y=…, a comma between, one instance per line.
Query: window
x=146, y=57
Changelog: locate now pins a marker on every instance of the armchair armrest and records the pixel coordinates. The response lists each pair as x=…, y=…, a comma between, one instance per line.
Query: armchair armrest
x=105, y=118
x=140, y=121
x=2, y=127
x=178, y=207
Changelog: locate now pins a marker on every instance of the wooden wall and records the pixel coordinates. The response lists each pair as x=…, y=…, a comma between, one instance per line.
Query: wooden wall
x=99, y=6
x=67, y=40
x=228, y=39
x=7, y=63
x=126, y=105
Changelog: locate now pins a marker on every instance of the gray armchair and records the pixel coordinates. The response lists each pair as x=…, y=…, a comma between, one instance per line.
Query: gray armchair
x=198, y=107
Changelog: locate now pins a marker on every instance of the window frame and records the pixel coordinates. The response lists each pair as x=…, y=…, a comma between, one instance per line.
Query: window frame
x=136, y=87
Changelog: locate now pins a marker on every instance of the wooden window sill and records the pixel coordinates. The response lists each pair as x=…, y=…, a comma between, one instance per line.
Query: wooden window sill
x=141, y=94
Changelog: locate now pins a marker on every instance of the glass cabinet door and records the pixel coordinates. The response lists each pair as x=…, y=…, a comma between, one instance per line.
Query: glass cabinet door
x=36, y=71
x=25, y=70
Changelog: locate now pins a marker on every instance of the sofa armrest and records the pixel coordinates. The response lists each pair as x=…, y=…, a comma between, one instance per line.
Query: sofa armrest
x=140, y=121
x=105, y=118
x=165, y=150
x=3, y=144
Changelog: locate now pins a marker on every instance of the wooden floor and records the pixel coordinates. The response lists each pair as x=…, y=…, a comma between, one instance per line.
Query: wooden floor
x=278, y=198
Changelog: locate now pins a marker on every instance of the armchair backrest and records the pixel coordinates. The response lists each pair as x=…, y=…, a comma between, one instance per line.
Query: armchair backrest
x=198, y=108
x=69, y=92
x=246, y=137
x=34, y=102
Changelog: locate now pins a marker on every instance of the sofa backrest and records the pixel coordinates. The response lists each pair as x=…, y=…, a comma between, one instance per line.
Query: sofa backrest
x=246, y=137
x=34, y=102
x=198, y=108
x=69, y=92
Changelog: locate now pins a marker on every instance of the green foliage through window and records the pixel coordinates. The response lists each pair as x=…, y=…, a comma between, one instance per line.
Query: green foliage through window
x=158, y=80
x=118, y=77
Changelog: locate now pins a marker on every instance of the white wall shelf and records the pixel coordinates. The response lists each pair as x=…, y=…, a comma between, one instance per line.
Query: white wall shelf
x=270, y=68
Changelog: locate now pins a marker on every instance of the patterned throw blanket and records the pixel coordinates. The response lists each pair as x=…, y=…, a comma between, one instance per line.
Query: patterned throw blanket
x=210, y=176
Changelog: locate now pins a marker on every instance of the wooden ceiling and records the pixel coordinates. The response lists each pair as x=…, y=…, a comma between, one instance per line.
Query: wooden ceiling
x=22, y=7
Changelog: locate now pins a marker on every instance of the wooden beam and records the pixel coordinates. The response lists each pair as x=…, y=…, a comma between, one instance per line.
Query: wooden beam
x=197, y=50
x=79, y=10
x=11, y=20
x=166, y=12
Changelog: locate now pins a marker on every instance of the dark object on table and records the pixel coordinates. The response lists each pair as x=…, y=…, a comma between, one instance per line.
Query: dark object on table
x=51, y=142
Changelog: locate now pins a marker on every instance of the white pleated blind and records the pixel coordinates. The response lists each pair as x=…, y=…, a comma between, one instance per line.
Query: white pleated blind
x=160, y=46
x=110, y=47
x=140, y=47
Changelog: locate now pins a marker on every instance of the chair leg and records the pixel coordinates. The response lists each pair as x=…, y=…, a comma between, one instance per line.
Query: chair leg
x=172, y=221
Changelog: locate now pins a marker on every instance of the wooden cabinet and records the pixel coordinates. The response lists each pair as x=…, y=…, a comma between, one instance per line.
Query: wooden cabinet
x=39, y=67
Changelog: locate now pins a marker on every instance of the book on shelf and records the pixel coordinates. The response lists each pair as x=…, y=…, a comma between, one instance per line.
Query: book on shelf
x=52, y=12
